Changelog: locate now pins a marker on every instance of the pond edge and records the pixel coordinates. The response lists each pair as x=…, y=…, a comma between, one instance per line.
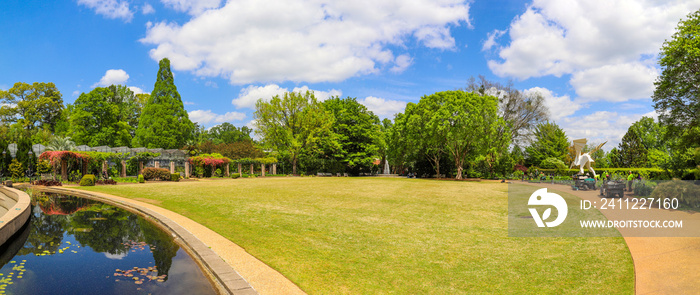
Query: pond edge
x=17, y=215
x=223, y=277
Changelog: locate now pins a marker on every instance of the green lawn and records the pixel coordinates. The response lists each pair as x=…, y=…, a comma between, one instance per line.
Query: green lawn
x=405, y=236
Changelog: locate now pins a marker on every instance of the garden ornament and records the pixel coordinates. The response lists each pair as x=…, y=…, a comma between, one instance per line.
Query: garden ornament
x=584, y=160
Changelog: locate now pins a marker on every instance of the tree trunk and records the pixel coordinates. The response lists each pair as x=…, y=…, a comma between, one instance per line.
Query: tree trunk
x=294, y=166
x=240, y=170
x=459, y=172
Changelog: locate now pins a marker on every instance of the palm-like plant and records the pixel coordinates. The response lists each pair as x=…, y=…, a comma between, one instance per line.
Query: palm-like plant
x=59, y=143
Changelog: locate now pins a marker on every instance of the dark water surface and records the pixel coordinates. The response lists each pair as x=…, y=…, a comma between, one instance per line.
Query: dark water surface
x=72, y=245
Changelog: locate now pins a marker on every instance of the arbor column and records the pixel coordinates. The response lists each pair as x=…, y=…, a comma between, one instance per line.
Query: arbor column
x=157, y=164
x=85, y=164
x=274, y=168
x=251, y=169
x=240, y=170
x=123, y=174
x=187, y=169
x=172, y=167
x=104, y=167
x=64, y=170
x=227, y=169
x=140, y=167
x=262, y=169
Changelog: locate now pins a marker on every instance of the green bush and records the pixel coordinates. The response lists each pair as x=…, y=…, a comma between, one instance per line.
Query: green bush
x=235, y=176
x=141, y=179
x=685, y=191
x=175, y=177
x=87, y=180
x=16, y=169
x=646, y=173
x=43, y=167
x=151, y=173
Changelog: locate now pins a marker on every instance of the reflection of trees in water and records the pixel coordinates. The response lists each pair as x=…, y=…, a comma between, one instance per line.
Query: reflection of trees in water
x=105, y=228
x=102, y=227
x=164, y=248
x=46, y=233
x=54, y=204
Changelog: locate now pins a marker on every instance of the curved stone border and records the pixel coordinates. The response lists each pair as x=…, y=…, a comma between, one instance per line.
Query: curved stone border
x=16, y=216
x=224, y=278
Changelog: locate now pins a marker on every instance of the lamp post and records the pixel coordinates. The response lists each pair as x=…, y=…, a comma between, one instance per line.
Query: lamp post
x=29, y=166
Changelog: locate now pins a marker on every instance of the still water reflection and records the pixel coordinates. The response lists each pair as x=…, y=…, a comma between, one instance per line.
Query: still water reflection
x=73, y=245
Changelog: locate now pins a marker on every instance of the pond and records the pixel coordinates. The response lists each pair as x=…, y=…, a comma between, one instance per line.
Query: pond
x=72, y=245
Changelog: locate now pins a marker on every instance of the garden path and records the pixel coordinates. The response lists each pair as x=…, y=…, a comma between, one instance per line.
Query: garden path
x=662, y=265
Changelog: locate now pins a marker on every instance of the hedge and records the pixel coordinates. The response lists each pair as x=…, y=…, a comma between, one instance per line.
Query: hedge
x=151, y=173
x=140, y=179
x=175, y=177
x=647, y=173
x=87, y=180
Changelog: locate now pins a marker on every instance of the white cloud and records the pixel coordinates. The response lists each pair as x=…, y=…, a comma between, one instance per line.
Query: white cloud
x=618, y=82
x=302, y=41
x=382, y=107
x=207, y=116
x=491, y=39
x=211, y=84
x=193, y=7
x=249, y=96
x=188, y=103
x=588, y=37
x=112, y=9
x=136, y=90
x=601, y=126
x=147, y=9
x=112, y=77
x=402, y=63
x=559, y=106
x=76, y=93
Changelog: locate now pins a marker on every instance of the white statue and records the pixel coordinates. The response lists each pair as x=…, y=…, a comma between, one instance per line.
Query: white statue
x=584, y=159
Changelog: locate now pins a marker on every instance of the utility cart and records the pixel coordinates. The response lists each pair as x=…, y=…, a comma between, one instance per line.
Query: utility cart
x=612, y=188
x=583, y=182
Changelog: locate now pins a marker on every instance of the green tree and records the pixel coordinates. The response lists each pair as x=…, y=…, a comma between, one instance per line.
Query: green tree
x=550, y=142
x=677, y=94
x=632, y=152
x=31, y=106
x=466, y=121
x=358, y=133
x=228, y=133
x=164, y=122
x=99, y=118
x=294, y=124
x=422, y=134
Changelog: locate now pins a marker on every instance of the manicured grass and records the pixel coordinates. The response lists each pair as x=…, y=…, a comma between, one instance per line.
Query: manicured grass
x=405, y=236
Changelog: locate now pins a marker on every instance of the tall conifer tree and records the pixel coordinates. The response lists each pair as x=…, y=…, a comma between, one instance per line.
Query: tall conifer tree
x=164, y=122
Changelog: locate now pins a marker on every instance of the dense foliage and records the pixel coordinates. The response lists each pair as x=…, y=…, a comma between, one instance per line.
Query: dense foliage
x=164, y=123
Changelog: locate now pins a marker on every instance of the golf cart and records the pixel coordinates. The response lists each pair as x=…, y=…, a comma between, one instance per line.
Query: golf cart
x=583, y=182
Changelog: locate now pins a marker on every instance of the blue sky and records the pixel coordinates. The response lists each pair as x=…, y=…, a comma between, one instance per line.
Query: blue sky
x=593, y=60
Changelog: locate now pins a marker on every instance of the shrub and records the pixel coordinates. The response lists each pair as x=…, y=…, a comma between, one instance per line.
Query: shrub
x=16, y=169
x=685, y=191
x=235, y=176
x=43, y=167
x=106, y=181
x=87, y=180
x=151, y=173
x=175, y=177
x=141, y=179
